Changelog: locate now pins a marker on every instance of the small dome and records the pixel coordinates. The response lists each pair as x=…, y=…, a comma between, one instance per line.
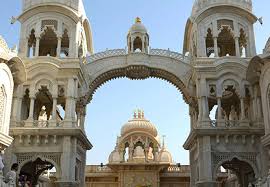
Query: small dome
x=115, y=157
x=139, y=123
x=138, y=27
x=164, y=156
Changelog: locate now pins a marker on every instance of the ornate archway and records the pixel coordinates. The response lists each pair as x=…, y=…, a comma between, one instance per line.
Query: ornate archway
x=161, y=64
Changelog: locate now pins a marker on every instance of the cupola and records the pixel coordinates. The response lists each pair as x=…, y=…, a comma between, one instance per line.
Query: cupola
x=137, y=38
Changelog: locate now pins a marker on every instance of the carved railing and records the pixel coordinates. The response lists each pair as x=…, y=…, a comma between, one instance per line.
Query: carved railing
x=106, y=54
x=97, y=169
x=181, y=169
x=123, y=52
x=166, y=53
x=41, y=123
x=225, y=123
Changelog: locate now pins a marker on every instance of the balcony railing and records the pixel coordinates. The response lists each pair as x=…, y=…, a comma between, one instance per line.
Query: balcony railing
x=123, y=52
x=98, y=169
x=230, y=123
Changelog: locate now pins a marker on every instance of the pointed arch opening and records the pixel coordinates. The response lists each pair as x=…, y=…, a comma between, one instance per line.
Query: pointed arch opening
x=64, y=44
x=226, y=42
x=48, y=42
x=209, y=40
x=137, y=44
x=31, y=44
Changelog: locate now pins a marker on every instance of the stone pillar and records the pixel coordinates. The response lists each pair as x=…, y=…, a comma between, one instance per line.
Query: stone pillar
x=58, y=50
x=254, y=108
x=54, y=108
x=242, y=109
x=219, y=117
x=205, y=107
x=200, y=109
x=259, y=107
x=237, y=47
x=27, y=47
x=70, y=102
x=37, y=46
x=67, y=164
x=82, y=121
x=205, y=163
x=216, y=46
x=31, y=110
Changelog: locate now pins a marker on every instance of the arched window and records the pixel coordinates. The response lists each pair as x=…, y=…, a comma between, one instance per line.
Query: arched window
x=48, y=43
x=31, y=44
x=226, y=42
x=137, y=44
x=243, y=43
x=65, y=44
x=209, y=41
x=2, y=106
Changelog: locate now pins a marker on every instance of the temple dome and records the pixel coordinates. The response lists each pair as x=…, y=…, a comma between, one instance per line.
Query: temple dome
x=138, y=27
x=139, y=123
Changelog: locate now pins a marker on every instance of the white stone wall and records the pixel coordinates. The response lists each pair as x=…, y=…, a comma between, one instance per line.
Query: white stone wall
x=6, y=92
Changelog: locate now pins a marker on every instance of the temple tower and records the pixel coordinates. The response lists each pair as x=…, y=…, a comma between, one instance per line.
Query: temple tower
x=48, y=111
x=219, y=38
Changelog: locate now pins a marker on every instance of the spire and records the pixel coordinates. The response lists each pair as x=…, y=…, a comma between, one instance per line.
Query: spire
x=163, y=142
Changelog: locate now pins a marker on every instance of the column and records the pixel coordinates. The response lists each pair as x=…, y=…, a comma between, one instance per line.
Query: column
x=31, y=110
x=200, y=109
x=54, y=108
x=215, y=46
x=219, y=117
x=58, y=50
x=132, y=46
x=205, y=108
x=37, y=46
x=259, y=108
x=254, y=108
x=237, y=48
x=242, y=109
x=27, y=47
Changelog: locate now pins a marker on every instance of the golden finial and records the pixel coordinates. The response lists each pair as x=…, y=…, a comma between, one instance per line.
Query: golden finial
x=138, y=20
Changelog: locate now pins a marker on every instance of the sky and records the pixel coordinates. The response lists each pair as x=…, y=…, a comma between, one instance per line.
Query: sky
x=114, y=102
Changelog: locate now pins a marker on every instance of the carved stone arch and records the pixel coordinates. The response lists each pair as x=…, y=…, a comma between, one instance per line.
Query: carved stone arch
x=140, y=72
x=25, y=158
x=226, y=79
x=44, y=82
x=88, y=34
x=221, y=158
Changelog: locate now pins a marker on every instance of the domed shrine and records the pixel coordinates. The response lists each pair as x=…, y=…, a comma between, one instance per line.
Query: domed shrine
x=139, y=143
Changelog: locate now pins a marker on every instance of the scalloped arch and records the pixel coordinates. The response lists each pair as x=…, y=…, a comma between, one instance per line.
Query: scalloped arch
x=140, y=73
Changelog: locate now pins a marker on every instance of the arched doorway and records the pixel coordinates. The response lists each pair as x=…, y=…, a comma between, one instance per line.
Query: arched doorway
x=239, y=173
x=38, y=171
